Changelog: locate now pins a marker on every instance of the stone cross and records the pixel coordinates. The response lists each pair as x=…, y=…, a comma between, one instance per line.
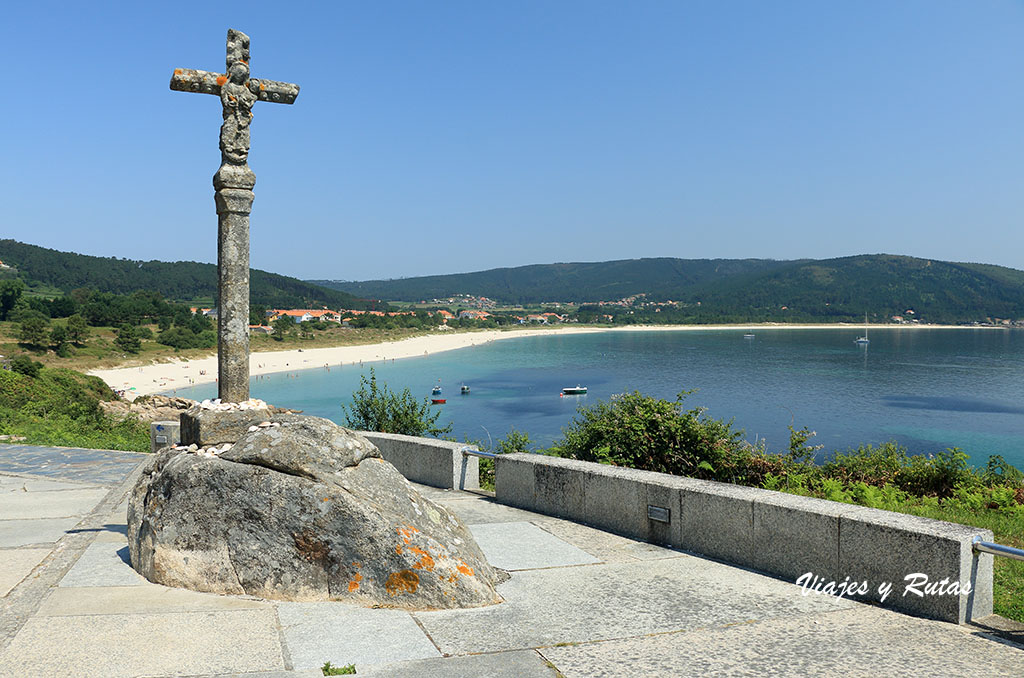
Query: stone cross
x=233, y=184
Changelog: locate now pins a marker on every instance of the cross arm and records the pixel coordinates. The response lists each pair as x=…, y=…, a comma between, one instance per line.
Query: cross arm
x=273, y=91
x=190, y=80
x=204, y=82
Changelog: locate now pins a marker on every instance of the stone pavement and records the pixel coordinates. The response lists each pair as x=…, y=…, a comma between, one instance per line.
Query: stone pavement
x=580, y=603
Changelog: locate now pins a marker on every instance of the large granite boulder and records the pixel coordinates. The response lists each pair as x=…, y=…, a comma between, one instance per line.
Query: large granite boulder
x=302, y=510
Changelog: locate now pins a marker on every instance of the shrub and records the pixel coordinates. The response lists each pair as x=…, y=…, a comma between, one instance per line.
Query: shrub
x=647, y=433
x=376, y=408
x=22, y=364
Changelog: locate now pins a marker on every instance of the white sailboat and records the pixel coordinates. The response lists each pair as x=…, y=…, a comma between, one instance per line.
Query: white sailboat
x=863, y=341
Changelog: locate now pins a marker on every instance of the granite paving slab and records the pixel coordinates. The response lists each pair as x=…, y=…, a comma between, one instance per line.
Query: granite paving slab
x=103, y=564
x=523, y=546
x=587, y=603
x=102, y=467
x=58, y=504
x=41, y=531
x=473, y=510
x=341, y=634
x=25, y=483
x=608, y=547
x=860, y=641
x=130, y=645
x=96, y=600
x=16, y=564
x=515, y=664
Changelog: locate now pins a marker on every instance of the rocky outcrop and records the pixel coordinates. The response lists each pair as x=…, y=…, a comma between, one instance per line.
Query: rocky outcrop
x=148, y=409
x=304, y=510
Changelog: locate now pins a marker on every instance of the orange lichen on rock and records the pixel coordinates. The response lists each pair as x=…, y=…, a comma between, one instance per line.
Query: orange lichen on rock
x=354, y=584
x=406, y=533
x=404, y=581
x=425, y=563
x=221, y=79
x=178, y=71
x=465, y=569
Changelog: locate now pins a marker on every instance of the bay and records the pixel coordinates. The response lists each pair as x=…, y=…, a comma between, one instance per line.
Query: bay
x=928, y=389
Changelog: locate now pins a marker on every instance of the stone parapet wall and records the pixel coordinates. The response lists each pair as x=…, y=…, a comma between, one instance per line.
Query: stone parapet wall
x=780, y=534
x=429, y=461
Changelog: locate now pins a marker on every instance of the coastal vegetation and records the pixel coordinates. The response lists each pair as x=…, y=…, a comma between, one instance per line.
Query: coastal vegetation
x=56, y=406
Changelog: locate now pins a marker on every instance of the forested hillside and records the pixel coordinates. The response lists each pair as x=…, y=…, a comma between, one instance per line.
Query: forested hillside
x=660, y=278
x=180, y=280
x=843, y=289
x=880, y=285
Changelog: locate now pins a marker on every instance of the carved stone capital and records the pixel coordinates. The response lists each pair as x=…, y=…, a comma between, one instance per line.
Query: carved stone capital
x=234, y=176
x=234, y=201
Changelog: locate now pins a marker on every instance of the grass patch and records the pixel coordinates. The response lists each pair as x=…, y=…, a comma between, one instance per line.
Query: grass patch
x=329, y=670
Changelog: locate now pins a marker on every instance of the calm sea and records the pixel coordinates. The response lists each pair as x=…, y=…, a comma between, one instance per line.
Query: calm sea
x=927, y=389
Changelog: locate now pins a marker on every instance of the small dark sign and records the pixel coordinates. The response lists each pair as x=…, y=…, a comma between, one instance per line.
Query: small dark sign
x=658, y=513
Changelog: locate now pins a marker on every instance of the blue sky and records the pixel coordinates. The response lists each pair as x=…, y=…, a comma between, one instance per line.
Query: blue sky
x=440, y=137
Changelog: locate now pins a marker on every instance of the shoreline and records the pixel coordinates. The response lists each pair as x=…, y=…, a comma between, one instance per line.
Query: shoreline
x=167, y=376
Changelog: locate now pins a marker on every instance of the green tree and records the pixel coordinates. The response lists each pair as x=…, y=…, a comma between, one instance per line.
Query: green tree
x=376, y=408
x=127, y=339
x=10, y=292
x=59, y=340
x=78, y=329
x=283, y=327
x=34, y=329
x=257, y=314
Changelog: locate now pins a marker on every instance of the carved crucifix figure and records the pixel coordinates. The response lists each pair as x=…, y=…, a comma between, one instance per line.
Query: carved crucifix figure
x=233, y=183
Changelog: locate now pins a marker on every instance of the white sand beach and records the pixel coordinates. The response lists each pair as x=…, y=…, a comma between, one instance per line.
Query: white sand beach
x=165, y=377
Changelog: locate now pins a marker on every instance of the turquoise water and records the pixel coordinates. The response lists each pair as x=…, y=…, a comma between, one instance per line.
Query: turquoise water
x=928, y=389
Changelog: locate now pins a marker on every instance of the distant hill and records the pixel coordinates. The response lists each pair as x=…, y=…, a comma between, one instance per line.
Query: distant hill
x=881, y=285
x=663, y=278
x=745, y=289
x=180, y=280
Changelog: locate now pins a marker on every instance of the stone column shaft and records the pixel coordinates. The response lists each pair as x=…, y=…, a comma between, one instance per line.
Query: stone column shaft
x=233, y=207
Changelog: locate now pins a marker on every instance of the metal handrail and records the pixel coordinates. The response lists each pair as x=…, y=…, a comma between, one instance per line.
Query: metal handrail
x=997, y=549
x=470, y=452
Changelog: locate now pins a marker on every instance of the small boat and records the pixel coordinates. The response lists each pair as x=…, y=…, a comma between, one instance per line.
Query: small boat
x=437, y=401
x=748, y=335
x=436, y=390
x=863, y=341
x=465, y=390
x=575, y=390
